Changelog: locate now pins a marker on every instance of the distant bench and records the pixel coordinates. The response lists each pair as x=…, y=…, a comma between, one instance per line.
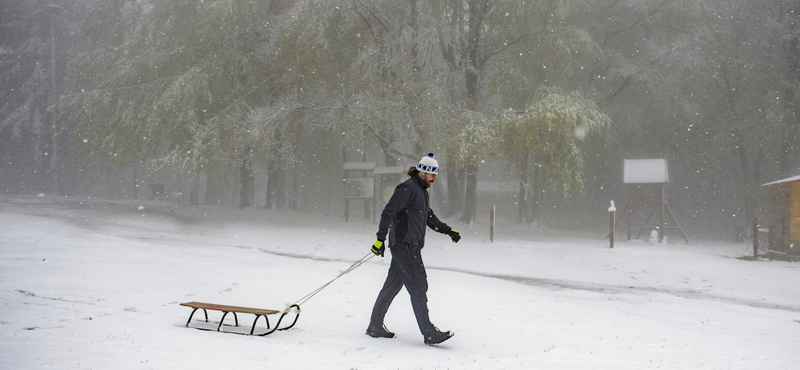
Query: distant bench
x=225, y=309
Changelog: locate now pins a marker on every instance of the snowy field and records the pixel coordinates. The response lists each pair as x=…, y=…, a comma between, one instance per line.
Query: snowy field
x=87, y=284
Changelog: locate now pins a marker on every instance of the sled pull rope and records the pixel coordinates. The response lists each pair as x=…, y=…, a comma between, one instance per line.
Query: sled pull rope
x=308, y=296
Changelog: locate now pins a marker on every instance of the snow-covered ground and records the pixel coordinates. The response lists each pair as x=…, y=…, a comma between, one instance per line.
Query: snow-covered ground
x=88, y=284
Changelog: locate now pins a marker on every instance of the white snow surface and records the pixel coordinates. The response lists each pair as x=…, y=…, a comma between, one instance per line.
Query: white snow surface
x=96, y=284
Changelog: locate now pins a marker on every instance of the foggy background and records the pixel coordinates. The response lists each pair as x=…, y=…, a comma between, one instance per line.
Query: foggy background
x=528, y=105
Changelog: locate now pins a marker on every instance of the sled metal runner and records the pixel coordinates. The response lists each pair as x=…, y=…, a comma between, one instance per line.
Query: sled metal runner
x=264, y=312
x=259, y=312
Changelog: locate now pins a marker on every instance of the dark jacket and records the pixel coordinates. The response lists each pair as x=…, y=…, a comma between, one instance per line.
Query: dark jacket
x=407, y=214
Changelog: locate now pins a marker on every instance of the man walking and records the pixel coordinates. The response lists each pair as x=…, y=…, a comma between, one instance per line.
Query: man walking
x=404, y=219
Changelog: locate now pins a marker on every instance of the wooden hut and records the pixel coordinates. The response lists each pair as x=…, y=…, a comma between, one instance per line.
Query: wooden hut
x=784, y=216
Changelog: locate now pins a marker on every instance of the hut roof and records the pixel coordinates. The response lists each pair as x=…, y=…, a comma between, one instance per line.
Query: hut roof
x=788, y=179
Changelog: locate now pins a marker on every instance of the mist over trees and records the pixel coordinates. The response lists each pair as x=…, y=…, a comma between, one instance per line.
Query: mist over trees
x=258, y=103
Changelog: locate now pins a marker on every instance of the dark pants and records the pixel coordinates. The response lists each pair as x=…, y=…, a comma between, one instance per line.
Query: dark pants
x=407, y=270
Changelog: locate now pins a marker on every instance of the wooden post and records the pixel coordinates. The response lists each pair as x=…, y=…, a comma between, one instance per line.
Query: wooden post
x=755, y=238
x=611, y=224
x=135, y=183
x=346, y=201
x=629, y=223
x=491, y=223
x=344, y=181
x=661, y=225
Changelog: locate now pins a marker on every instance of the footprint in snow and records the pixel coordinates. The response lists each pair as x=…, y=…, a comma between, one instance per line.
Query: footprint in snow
x=25, y=292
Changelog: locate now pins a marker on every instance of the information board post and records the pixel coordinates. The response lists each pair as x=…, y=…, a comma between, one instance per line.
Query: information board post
x=645, y=181
x=491, y=224
x=358, y=184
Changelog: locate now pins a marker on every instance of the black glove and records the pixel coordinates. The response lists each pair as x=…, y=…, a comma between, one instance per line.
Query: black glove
x=454, y=235
x=378, y=248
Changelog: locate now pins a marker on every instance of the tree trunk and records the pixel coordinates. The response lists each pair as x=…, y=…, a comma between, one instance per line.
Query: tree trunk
x=455, y=193
x=213, y=189
x=135, y=182
x=248, y=181
x=472, y=79
x=280, y=186
x=275, y=196
x=390, y=160
x=786, y=159
x=295, y=187
x=53, y=116
x=275, y=193
x=749, y=199
x=537, y=210
x=522, y=202
x=537, y=198
x=194, y=194
x=471, y=74
x=788, y=142
x=416, y=67
x=471, y=194
x=272, y=174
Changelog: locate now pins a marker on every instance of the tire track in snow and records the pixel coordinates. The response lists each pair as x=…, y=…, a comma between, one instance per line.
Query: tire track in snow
x=622, y=289
x=573, y=285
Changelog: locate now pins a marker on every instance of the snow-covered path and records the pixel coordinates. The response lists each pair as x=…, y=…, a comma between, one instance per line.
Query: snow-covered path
x=87, y=285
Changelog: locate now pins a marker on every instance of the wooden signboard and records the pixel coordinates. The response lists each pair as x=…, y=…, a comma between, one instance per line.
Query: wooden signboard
x=645, y=171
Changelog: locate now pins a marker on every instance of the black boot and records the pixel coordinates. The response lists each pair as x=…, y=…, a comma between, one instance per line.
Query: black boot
x=377, y=331
x=436, y=336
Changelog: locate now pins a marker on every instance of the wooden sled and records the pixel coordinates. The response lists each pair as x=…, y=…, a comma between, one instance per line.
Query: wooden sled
x=259, y=312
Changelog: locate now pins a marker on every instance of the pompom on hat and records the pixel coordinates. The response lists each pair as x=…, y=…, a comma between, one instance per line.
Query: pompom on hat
x=428, y=165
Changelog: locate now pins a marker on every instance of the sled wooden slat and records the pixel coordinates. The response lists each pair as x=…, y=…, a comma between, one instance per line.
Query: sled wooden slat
x=226, y=309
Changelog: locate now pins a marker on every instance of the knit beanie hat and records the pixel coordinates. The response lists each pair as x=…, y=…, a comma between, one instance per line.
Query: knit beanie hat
x=428, y=164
